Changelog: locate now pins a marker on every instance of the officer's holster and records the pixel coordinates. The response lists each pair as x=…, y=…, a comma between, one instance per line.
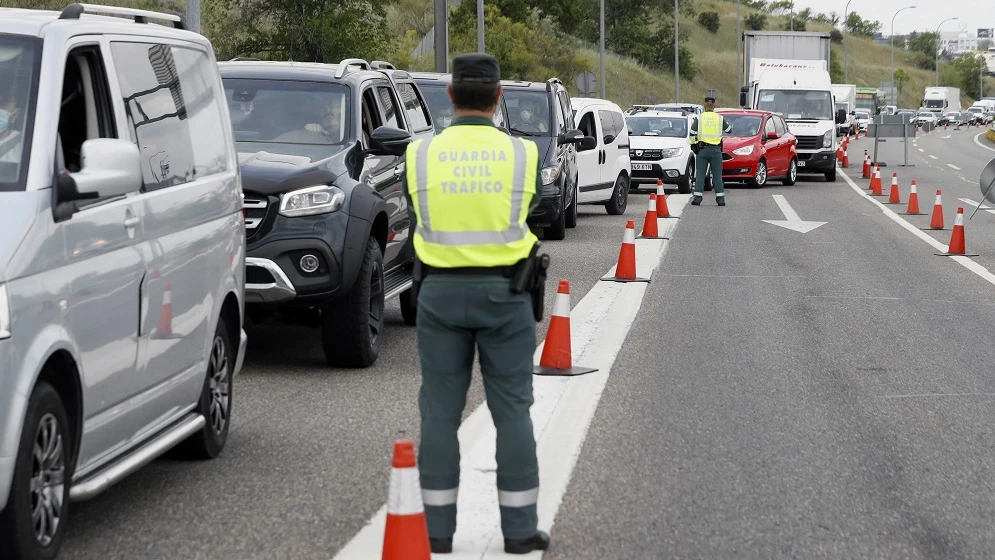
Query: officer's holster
x=530, y=276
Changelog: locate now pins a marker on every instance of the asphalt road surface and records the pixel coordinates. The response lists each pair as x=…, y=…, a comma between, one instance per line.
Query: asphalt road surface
x=779, y=395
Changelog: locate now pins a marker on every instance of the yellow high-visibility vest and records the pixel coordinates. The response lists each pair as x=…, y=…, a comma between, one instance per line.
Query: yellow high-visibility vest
x=472, y=186
x=710, y=128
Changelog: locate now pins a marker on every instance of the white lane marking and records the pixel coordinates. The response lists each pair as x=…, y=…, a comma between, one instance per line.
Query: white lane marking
x=978, y=205
x=947, y=136
x=952, y=166
x=966, y=262
x=978, y=142
x=928, y=395
x=791, y=220
x=932, y=156
x=561, y=416
x=920, y=149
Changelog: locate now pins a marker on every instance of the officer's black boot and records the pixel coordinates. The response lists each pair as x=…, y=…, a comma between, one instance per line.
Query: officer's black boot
x=441, y=546
x=696, y=201
x=721, y=200
x=538, y=541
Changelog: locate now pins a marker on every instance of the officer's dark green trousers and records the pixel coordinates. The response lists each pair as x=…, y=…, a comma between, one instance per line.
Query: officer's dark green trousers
x=456, y=315
x=709, y=156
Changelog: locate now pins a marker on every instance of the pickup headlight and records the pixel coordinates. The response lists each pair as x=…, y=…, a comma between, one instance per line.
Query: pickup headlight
x=309, y=201
x=744, y=151
x=671, y=153
x=550, y=175
x=4, y=313
x=827, y=139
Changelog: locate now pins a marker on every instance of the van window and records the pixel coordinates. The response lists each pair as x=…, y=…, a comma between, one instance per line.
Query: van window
x=587, y=125
x=18, y=93
x=619, y=122
x=608, y=126
x=174, y=112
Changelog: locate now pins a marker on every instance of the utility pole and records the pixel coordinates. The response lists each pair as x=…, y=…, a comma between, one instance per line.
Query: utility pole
x=441, y=36
x=846, y=61
x=936, y=60
x=677, y=58
x=602, y=50
x=192, y=19
x=739, y=47
x=792, y=17
x=480, y=26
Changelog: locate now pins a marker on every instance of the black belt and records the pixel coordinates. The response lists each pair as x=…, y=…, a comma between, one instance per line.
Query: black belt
x=505, y=271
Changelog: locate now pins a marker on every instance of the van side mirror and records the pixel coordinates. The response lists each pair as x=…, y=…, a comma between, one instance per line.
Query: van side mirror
x=743, y=96
x=840, y=116
x=389, y=141
x=110, y=167
x=587, y=143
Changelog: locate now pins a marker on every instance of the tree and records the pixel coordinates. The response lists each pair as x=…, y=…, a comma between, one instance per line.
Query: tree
x=925, y=43
x=901, y=78
x=856, y=25
x=755, y=22
x=759, y=5
x=663, y=52
x=967, y=71
x=984, y=45
x=710, y=21
x=836, y=36
x=799, y=24
x=781, y=7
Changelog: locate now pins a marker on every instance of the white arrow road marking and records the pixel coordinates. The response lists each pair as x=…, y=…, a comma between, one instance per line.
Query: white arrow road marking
x=952, y=166
x=977, y=205
x=791, y=220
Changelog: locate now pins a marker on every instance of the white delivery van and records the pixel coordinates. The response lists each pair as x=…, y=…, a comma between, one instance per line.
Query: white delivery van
x=603, y=173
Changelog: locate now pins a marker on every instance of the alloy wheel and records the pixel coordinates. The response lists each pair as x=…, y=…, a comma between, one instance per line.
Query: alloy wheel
x=219, y=386
x=761, y=174
x=376, y=304
x=48, y=468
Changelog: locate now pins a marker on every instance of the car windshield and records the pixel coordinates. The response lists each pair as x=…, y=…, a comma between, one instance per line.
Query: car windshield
x=19, y=60
x=797, y=105
x=862, y=115
x=528, y=112
x=439, y=105
x=665, y=127
x=289, y=117
x=743, y=125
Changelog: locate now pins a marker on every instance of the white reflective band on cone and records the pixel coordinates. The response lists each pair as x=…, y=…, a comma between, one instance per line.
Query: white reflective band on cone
x=913, y=189
x=518, y=499
x=562, y=306
x=937, y=203
x=630, y=236
x=652, y=204
x=405, y=492
x=440, y=497
x=167, y=297
x=959, y=220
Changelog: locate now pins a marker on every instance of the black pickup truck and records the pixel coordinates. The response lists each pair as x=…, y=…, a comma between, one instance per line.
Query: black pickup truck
x=321, y=151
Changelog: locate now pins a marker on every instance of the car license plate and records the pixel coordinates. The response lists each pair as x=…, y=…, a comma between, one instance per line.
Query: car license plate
x=642, y=167
x=801, y=163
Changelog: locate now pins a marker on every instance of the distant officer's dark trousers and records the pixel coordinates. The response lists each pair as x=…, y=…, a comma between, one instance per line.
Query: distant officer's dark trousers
x=709, y=156
x=456, y=315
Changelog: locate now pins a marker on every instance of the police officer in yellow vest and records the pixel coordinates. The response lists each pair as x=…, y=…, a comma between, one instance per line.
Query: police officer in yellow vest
x=471, y=188
x=708, y=128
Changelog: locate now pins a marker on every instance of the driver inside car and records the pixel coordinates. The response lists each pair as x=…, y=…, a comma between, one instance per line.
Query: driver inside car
x=529, y=117
x=330, y=122
x=10, y=139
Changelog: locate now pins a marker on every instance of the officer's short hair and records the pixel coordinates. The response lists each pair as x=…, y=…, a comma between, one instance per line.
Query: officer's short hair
x=475, y=96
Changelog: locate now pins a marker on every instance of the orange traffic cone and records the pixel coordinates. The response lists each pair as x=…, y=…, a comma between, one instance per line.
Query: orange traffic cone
x=662, y=210
x=937, y=221
x=165, y=325
x=846, y=157
x=866, y=172
x=557, y=357
x=893, y=196
x=406, y=534
x=876, y=182
x=913, y=199
x=625, y=270
x=957, y=244
x=651, y=229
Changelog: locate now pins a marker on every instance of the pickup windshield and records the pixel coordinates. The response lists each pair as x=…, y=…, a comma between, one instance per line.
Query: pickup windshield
x=19, y=60
x=528, y=112
x=289, y=117
x=665, y=127
x=797, y=104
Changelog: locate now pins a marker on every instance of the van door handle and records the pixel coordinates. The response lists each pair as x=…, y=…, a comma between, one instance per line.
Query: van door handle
x=131, y=222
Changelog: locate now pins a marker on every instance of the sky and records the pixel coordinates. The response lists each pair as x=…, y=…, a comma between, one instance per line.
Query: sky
x=973, y=14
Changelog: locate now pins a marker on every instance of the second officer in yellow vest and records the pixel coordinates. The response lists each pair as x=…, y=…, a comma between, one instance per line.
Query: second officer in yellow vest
x=471, y=189
x=708, y=128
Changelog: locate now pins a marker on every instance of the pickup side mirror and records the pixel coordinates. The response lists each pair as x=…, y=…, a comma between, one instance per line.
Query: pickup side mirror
x=840, y=116
x=111, y=167
x=389, y=141
x=771, y=135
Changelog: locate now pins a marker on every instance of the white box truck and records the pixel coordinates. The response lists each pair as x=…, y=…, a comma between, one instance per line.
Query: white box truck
x=788, y=73
x=941, y=99
x=845, y=97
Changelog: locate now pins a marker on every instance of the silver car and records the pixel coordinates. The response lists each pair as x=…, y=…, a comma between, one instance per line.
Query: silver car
x=121, y=259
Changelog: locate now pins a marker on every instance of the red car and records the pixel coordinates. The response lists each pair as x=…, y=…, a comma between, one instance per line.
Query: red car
x=759, y=148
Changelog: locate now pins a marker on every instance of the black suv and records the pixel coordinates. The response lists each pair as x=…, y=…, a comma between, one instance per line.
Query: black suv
x=541, y=112
x=321, y=149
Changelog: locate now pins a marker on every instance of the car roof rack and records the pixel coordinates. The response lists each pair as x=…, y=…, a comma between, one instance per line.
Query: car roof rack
x=381, y=65
x=345, y=64
x=74, y=11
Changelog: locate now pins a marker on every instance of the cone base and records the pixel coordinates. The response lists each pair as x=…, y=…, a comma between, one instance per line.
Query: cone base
x=899, y=203
x=957, y=254
x=651, y=237
x=913, y=214
x=554, y=372
x=934, y=229
x=616, y=279
x=668, y=217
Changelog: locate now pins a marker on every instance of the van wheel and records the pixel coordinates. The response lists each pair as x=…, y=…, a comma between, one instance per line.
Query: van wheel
x=33, y=522
x=792, y=175
x=571, y=220
x=620, y=197
x=409, y=307
x=557, y=231
x=759, y=176
x=215, y=400
x=831, y=176
x=351, y=327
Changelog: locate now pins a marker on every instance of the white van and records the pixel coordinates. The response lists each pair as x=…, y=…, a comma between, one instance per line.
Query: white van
x=604, y=172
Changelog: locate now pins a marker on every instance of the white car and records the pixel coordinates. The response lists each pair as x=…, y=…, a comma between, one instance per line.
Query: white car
x=660, y=149
x=603, y=173
x=863, y=119
x=926, y=118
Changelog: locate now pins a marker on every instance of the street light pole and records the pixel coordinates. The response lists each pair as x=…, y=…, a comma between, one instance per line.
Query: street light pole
x=739, y=47
x=193, y=16
x=441, y=36
x=480, y=26
x=792, y=17
x=603, y=96
x=846, y=60
x=677, y=58
x=936, y=62
x=891, y=39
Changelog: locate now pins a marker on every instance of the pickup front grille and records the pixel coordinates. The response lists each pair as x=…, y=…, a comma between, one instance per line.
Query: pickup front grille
x=809, y=142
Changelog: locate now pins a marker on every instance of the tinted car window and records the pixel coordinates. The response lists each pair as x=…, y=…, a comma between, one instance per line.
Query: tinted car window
x=289, y=117
x=174, y=116
x=619, y=122
x=561, y=118
x=414, y=106
x=587, y=126
x=779, y=125
x=439, y=105
x=608, y=125
x=528, y=111
x=769, y=127
x=568, y=120
x=18, y=90
x=391, y=110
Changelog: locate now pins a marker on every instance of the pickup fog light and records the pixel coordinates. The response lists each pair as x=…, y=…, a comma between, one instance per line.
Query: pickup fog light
x=309, y=263
x=309, y=201
x=744, y=151
x=550, y=175
x=4, y=312
x=827, y=139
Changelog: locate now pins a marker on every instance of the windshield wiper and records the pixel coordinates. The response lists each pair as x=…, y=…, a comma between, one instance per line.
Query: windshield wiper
x=522, y=132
